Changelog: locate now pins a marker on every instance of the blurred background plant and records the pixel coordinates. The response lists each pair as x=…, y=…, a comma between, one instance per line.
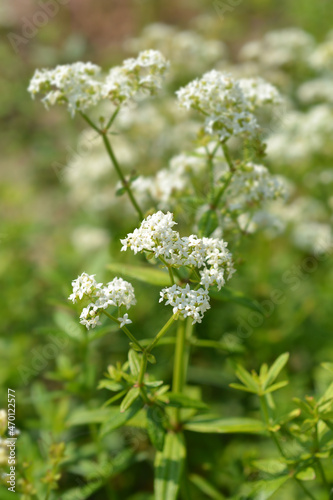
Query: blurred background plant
x=60, y=218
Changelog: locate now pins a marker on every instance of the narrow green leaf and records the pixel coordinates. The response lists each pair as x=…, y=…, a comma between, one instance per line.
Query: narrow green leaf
x=110, y=385
x=129, y=399
x=276, y=386
x=226, y=426
x=205, y=487
x=118, y=419
x=147, y=274
x=306, y=475
x=134, y=360
x=169, y=465
x=228, y=295
x=154, y=383
x=241, y=387
x=247, y=379
x=275, y=369
x=182, y=401
x=155, y=428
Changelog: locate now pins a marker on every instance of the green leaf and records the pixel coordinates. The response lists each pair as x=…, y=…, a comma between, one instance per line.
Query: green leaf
x=306, y=475
x=328, y=394
x=68, y=325
x=134, y=360
x=232, y=347
x=120, y=191
x=151, y=358
x=82, y=416
x=208, y=223
x=147, y=274
x=205, y=487
x=169, y=465
x=283, y=419
x=271, y=466
x=228, y=295
x=118, y=419
x=247, y=379
x=110, y=385
x=226, y=426
x=129, y=399
x=265, y=489
x=182, y=401
x=241, y=387
x=276, y=386
x=155, y=428
x=275, y=369
x=328, y=366
x=82, y=492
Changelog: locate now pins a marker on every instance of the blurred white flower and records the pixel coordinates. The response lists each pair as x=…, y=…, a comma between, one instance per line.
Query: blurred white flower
x=88, y=239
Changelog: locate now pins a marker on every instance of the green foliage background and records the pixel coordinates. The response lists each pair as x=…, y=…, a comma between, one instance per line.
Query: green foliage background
x=38, y=260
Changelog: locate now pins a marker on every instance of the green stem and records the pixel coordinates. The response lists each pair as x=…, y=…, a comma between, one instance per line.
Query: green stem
x=143, y=367
x=169, y=270
x=114, y=161
x=181, y=359
x=92, y=125
x=125, y=184
x=125, y=330
x=178, y=370
x=228, y=157
x=112, y=119
x=161, y=333
x=210, y=161
x=318, y=462
x=222, y=190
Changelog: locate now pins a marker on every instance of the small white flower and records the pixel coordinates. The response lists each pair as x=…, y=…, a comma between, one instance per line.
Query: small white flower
x=84, y=285
x=124, y=320
x=187, y=302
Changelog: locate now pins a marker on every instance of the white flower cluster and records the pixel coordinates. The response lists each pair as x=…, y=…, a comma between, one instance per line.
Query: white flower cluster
x=209, y=255
x=227, y=104
x=168, y=181
x=253, y=184
x=279, y=49
x=316, y=90
x=322, y=57
x=73, y=84
x=259, y=93
x=79, y=87
x=142, y=75
x=302, y=136
x=187, y=302
x=117, y=293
